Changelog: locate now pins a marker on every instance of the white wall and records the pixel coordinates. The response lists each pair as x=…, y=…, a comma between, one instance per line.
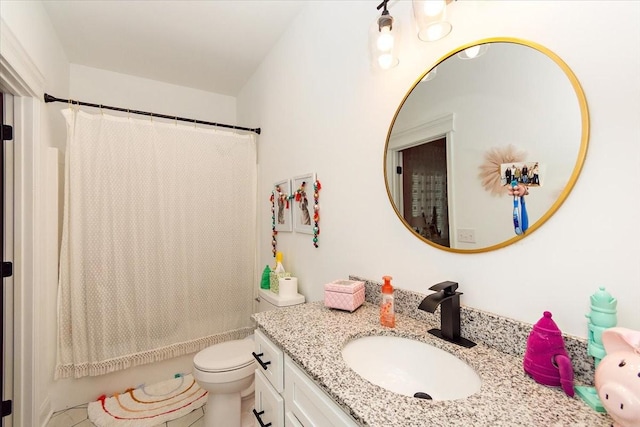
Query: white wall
x=323, y=109
x=39, y=47
x=29, y=22
x=121, y=90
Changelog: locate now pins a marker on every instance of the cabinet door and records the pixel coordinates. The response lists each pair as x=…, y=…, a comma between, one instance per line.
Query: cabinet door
x=310, y=405
x=290, y=420
x=271, y=359
x=269, y=405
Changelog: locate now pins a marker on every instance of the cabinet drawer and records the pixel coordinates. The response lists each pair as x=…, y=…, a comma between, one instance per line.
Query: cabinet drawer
x=310, y=405
x=269, y=405
x=271, y=360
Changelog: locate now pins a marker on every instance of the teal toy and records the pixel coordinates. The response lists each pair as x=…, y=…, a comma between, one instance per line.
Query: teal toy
x=603, y=315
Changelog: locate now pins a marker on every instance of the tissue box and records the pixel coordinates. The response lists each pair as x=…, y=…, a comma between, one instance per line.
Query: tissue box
x=344, y=294
x=274, y=284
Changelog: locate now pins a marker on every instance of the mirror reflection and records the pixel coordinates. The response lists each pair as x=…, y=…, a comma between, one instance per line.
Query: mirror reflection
x=489, y=117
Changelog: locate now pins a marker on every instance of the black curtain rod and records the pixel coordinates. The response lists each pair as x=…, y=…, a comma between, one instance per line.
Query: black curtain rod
x=48, y=98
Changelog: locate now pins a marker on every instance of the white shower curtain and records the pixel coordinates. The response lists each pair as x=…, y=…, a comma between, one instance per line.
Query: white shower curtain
x=158, y=247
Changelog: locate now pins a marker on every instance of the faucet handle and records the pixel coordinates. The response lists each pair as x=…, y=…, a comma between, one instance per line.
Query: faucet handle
x=449, y=288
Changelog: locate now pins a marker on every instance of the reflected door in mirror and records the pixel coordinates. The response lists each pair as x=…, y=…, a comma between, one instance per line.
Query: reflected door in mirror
x=424, y=183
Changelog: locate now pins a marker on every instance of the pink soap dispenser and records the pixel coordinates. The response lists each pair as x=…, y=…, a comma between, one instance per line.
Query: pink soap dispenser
x=546, y=360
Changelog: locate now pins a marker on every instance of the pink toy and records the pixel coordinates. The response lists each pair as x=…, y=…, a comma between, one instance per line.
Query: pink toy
x=618, y=376
x=546, y=360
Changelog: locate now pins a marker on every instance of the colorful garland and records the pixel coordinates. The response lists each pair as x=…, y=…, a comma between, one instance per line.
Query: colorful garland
x=297, y=196
x=316, y=212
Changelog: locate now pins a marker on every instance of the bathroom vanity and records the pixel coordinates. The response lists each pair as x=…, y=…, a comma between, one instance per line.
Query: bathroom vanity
x=308, y=377
x=286, y=396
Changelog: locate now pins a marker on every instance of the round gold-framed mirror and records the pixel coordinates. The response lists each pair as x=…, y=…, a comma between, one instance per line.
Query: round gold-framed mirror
x=489, y=115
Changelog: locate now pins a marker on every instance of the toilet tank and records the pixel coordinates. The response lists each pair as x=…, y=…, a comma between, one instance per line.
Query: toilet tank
x=268, y=300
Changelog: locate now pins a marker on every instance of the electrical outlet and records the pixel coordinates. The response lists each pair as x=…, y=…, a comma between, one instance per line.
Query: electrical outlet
x=466, y=235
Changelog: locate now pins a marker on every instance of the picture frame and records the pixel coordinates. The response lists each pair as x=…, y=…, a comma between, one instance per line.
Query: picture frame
x=282, y=207
x=302, y=203
x=530, y=174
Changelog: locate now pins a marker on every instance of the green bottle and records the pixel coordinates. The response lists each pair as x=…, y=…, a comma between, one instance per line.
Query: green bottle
x=264, y=283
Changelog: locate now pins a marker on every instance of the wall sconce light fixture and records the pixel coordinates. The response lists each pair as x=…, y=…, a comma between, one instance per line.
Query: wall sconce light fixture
x=383, y=39
x=473, y=51
x=431, y=19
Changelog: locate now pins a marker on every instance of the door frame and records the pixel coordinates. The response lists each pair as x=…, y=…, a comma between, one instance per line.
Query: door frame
x=438, y=127
x=20, y=77
x=7, y=256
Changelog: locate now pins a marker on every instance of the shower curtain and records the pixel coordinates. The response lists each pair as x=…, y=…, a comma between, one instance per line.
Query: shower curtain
x=158, y=244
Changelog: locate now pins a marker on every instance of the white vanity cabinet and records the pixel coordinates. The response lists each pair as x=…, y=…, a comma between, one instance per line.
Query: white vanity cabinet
x=286, y=396
x=269, y=383
x=310, y=405
x=269, y=404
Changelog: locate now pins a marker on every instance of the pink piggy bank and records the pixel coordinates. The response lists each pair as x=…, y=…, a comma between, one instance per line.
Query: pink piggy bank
x=618, y=376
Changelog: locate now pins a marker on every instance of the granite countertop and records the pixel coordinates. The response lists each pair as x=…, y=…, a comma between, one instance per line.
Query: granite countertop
x=313, y=336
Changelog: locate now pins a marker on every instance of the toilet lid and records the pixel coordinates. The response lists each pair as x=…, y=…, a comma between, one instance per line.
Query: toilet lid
x=226, y=356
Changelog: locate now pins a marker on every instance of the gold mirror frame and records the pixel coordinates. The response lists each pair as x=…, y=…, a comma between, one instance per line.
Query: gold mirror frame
x=582, y=151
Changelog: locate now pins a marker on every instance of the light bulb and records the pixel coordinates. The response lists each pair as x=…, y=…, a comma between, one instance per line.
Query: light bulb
x=430, y=75
x=385, y=39
x=472, y=51
x=435, y=32
x=385, y=61
x=434, y=7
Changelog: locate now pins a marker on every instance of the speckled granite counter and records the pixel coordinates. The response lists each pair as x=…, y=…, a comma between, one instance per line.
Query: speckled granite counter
x=313, y=336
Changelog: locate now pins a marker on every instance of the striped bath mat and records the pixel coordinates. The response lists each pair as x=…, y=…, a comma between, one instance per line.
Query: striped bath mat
x=148, y=405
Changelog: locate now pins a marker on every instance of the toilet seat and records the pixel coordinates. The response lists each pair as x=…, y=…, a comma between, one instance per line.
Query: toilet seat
x=226, y=356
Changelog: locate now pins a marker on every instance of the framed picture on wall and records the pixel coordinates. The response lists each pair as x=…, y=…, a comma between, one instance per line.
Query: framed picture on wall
x=302, y=203
x=282, y=205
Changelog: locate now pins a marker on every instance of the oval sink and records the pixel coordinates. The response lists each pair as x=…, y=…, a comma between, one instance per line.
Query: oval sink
x=411, y=368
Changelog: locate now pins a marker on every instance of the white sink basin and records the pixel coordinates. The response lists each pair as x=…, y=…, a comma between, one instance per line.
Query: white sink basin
x=407, y=367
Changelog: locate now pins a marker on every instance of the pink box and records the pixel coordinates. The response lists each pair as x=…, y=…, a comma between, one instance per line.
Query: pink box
x=344, y=294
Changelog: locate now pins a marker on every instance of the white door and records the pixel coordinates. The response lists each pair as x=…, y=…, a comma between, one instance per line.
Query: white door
x=6, y=183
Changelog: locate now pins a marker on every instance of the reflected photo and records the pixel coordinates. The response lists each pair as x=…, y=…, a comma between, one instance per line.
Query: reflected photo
x=527, y=173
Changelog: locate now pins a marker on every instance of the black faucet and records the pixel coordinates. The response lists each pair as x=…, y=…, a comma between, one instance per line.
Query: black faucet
x=449, y=301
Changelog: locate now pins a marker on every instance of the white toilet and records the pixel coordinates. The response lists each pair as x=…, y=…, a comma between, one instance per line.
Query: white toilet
x=226, y=370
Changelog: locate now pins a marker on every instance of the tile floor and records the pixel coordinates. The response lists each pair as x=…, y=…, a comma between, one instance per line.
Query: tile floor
x=77, y=417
